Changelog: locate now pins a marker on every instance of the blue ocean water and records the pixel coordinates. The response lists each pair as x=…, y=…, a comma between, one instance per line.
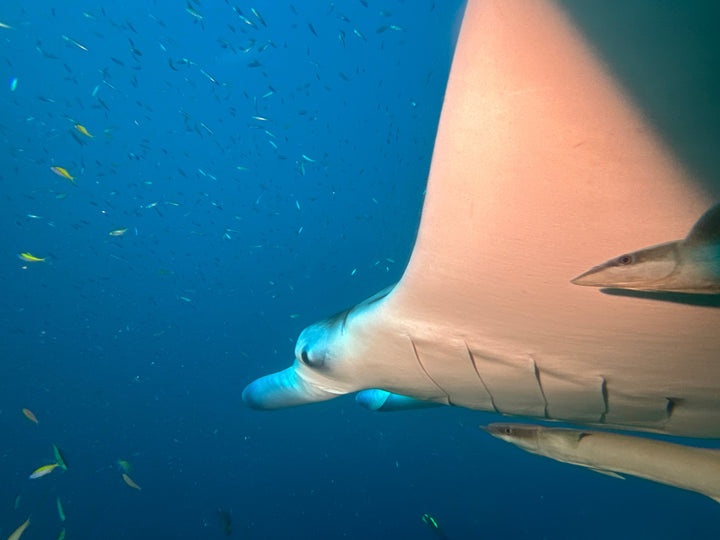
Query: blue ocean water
x=251, y=168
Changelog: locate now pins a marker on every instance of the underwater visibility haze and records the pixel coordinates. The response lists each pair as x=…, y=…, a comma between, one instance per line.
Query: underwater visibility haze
x=185, y=188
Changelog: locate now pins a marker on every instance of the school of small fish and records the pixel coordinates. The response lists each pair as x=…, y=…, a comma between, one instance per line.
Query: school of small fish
x=102, y=149
x=124, y=466
x=252, y=38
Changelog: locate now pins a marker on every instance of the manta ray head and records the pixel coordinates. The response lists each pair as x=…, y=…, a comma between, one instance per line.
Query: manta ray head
x=328, y=362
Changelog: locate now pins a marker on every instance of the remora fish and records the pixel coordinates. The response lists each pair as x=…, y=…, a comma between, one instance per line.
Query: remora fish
x=690, y=265
x=685, y=467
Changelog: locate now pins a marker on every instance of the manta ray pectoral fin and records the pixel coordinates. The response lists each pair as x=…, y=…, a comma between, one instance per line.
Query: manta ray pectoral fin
x=283, y=389
x=384, y=401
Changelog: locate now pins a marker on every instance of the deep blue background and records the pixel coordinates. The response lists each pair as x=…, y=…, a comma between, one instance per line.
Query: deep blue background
x=138, y=346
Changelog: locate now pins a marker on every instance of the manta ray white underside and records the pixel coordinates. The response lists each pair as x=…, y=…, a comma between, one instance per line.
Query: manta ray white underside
x=542, y=168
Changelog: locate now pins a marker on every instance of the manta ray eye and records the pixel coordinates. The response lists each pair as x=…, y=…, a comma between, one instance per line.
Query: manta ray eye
x=316, y=362
x=624, y=259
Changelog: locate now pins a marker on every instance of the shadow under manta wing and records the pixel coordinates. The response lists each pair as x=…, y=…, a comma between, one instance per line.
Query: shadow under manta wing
x=701, y=300
x=541, y=166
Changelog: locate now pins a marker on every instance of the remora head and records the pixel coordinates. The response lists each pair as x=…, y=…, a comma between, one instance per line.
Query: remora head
x=524, y=436
x=328, y=363
x=636, y=270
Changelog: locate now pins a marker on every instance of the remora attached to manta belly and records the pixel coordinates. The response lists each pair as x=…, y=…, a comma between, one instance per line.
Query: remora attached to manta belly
x=690, y=265
x=541, y=163
x=686, y=467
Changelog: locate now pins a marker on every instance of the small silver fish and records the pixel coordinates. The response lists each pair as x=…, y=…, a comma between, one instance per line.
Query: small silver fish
x=690, y=265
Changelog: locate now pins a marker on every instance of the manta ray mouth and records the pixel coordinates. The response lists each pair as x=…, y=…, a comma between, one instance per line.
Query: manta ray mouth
x=283, y=389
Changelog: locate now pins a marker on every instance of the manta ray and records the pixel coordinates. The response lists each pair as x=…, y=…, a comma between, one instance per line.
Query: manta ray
x=542, y=167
